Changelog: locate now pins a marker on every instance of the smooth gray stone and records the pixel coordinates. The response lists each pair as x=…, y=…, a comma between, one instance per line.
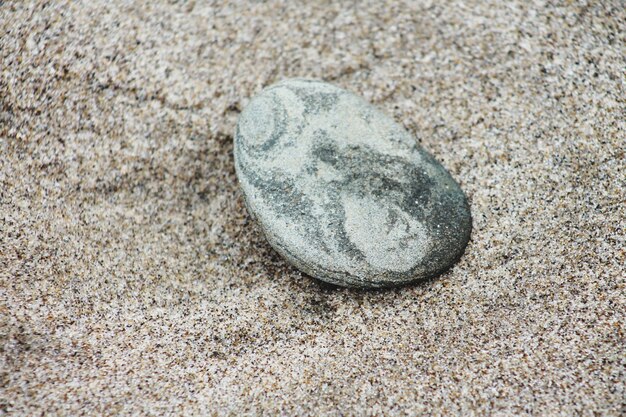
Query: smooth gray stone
x=343, y=192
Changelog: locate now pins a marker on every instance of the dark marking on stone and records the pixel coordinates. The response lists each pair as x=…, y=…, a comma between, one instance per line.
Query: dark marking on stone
x=316, y=102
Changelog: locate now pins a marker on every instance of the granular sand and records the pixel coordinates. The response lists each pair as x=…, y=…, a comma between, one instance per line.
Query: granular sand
x=132, y=280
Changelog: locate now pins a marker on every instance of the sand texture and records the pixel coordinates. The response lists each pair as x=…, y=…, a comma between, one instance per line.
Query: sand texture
x=133, y=281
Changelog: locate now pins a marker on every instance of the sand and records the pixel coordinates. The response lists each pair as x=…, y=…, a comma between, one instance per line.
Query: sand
x=133, y=282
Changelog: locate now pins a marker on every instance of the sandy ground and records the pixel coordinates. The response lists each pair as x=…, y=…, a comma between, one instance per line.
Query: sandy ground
x=132, y=280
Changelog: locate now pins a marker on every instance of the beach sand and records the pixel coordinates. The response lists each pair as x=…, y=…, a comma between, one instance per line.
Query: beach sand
x=133, y=281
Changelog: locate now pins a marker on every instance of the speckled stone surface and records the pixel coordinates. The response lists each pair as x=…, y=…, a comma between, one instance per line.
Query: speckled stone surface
x=342, y=191
x=134, y=282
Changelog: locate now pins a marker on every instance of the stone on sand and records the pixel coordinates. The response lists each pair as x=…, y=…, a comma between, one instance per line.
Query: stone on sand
x=343, y=192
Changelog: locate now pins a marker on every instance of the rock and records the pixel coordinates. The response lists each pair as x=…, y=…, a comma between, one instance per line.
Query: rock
x=343, y=192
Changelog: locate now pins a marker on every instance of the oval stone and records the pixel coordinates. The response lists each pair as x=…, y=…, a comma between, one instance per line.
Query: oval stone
x=343, y=192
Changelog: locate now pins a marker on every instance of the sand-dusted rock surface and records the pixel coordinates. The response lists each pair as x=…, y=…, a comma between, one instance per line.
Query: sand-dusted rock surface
x=133, y=281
